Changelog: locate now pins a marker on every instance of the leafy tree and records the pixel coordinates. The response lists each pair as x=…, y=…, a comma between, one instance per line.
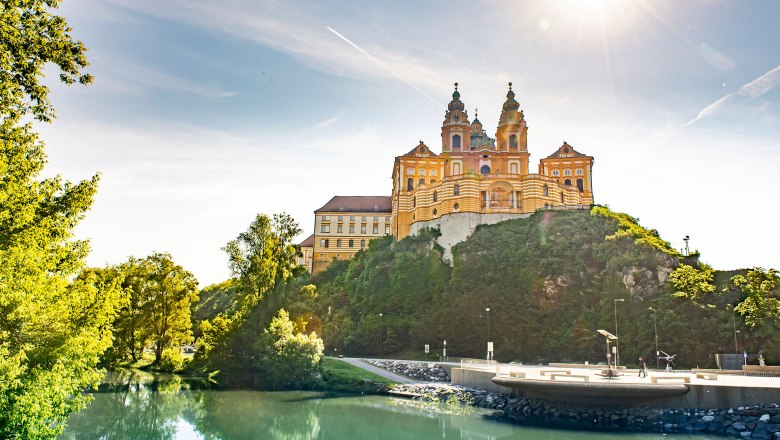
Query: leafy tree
x=264, y=254
x=692, y=283
x=290, y=358
x=761, y=303
x=158, y=298
x=52, y=329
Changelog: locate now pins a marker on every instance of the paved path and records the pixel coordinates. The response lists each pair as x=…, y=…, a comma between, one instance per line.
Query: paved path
x=378, y=371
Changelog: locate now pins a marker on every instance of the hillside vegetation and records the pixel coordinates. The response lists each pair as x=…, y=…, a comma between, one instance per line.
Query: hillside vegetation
x=550, y=281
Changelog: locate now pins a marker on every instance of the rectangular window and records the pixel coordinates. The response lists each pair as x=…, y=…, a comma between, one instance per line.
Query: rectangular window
x=376, y=219
x=387, y=229
x=327, y=242
x=322, y=242
x=338, y=243
x=351, y=229
x=339, y=229
x=376, y=229
x=341, y=217
x=362, y=229
x=387, y=219
x=363, y=218
x=324, y=229
x=351, y=243
x=352, y=218
x=325, y=218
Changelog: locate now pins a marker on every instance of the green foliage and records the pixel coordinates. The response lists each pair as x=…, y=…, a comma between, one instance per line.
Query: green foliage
x=341, y=376
x=761, y=303
x=260, y=257
x=31, y=37
x=629, y=227
x=691, y=283
x=290, y=359
x=171, y=360
x=53, y=325
x=158, y=295
x=215, y=299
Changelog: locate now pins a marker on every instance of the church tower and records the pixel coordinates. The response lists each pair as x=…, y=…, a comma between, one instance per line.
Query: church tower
x=512, y=132
x=455, y=130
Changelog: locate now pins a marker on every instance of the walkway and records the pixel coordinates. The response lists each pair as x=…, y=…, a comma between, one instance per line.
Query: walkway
x=378, y=371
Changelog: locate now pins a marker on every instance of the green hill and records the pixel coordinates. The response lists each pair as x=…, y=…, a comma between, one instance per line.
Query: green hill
x=550, y=281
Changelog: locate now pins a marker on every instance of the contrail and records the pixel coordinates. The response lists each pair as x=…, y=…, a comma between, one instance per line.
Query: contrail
x=383, y=66
x=753, y=89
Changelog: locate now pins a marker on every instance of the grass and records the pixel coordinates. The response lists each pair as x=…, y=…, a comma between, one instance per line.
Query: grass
x=341, y=376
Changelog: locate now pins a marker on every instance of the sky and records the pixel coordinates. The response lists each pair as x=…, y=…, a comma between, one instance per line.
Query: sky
x=204, y=113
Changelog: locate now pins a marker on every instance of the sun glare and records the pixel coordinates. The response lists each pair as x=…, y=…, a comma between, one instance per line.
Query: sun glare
x=603, y=16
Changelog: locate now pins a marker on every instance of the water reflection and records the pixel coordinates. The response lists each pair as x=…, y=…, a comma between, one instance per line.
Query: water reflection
x=135, y=405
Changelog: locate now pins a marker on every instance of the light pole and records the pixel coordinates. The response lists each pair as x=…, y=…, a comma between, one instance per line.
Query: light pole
x=444, y=351
x=617, y=341
x=687, y=251
x=380, y=335
x=657, y=353
x=734, y=323
x=487, y=311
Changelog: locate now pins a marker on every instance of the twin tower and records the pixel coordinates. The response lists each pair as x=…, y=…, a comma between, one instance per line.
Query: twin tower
x=485, y=177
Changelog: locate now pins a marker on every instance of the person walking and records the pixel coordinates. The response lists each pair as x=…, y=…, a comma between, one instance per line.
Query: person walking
x=642, y=367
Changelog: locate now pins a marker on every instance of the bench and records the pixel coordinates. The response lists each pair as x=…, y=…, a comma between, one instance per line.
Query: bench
x=578, y=376
x=685, y=379
x=708, y=376
x=517, y=374
x=543, y=372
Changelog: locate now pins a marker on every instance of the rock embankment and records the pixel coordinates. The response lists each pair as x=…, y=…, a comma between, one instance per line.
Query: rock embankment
x=418, y=370
x=755, y=422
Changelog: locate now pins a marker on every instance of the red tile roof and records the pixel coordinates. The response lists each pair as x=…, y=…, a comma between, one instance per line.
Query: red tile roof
x=309, y=242
x=358, y=204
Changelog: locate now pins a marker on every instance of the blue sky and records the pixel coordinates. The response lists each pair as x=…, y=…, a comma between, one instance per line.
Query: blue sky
x=206, y=112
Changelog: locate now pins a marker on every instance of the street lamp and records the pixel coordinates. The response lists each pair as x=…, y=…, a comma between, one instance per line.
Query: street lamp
x=687, y=251
x=380, y=335
x=487, y=311
x=617, y=342
x=444, y=351
x=657, y=353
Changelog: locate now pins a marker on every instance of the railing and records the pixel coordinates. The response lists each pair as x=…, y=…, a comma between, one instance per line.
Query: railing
x=482, y=364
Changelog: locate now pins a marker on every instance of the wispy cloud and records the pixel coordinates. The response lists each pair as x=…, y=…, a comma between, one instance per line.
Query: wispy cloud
x=132, y=77
x=751, y=90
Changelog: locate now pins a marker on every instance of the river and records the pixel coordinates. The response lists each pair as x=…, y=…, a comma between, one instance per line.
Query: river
x=140, y=406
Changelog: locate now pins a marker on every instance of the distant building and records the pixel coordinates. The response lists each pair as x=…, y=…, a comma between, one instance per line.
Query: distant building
x=475, y=180
x=307, y=252
x=484, y=176
x=346, y=224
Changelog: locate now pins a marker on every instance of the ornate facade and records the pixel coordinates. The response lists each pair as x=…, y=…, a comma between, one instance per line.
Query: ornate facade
x=478, y=174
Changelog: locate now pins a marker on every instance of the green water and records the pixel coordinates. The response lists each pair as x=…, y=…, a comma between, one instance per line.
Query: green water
x=145, y=408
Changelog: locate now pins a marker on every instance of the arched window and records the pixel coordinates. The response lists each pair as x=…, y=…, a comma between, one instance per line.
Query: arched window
x=433, y=181
x=435, y=212
x=580, y=185
x=485, y=169
x=421, y=182
x=456, y=207
x=456, y=141
x=556, y=173
x=546, y=191
x=513, y=141
x=456, y=190
x=409, y=184
x=567, y=182
x=567, y=172
x=435, y=196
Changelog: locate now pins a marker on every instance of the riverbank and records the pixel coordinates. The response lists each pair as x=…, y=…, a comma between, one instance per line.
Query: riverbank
x=756, y=422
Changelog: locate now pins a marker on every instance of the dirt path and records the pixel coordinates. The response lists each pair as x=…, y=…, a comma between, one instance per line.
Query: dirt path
x=378, y=371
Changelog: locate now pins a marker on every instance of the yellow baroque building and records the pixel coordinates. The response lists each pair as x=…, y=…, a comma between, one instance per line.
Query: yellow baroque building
x=484, y=176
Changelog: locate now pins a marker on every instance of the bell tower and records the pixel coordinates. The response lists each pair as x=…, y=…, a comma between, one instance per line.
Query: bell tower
x=512, y=132
x=455, y=130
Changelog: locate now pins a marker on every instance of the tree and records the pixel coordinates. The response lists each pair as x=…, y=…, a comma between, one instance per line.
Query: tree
x=158, y=296
x=32, y=36
x=290, y=358
x=760, y=304
x=53, y=327
x=264, y=255
x=692, y=283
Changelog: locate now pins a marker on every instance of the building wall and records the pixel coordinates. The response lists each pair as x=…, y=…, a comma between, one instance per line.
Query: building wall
x=306, y=258
x=335, y=231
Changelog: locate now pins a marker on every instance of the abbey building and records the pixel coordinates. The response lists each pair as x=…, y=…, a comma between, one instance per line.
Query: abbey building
x=474, y=176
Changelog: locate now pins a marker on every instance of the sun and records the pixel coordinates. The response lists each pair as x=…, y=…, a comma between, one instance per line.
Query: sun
x=604, y=17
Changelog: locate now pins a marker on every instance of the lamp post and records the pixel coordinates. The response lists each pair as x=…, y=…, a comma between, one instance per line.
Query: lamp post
x=657, y=352
x=617, y=342
x=380, y=335
x=487, y=311
x=444, y=351
x=687, y=251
